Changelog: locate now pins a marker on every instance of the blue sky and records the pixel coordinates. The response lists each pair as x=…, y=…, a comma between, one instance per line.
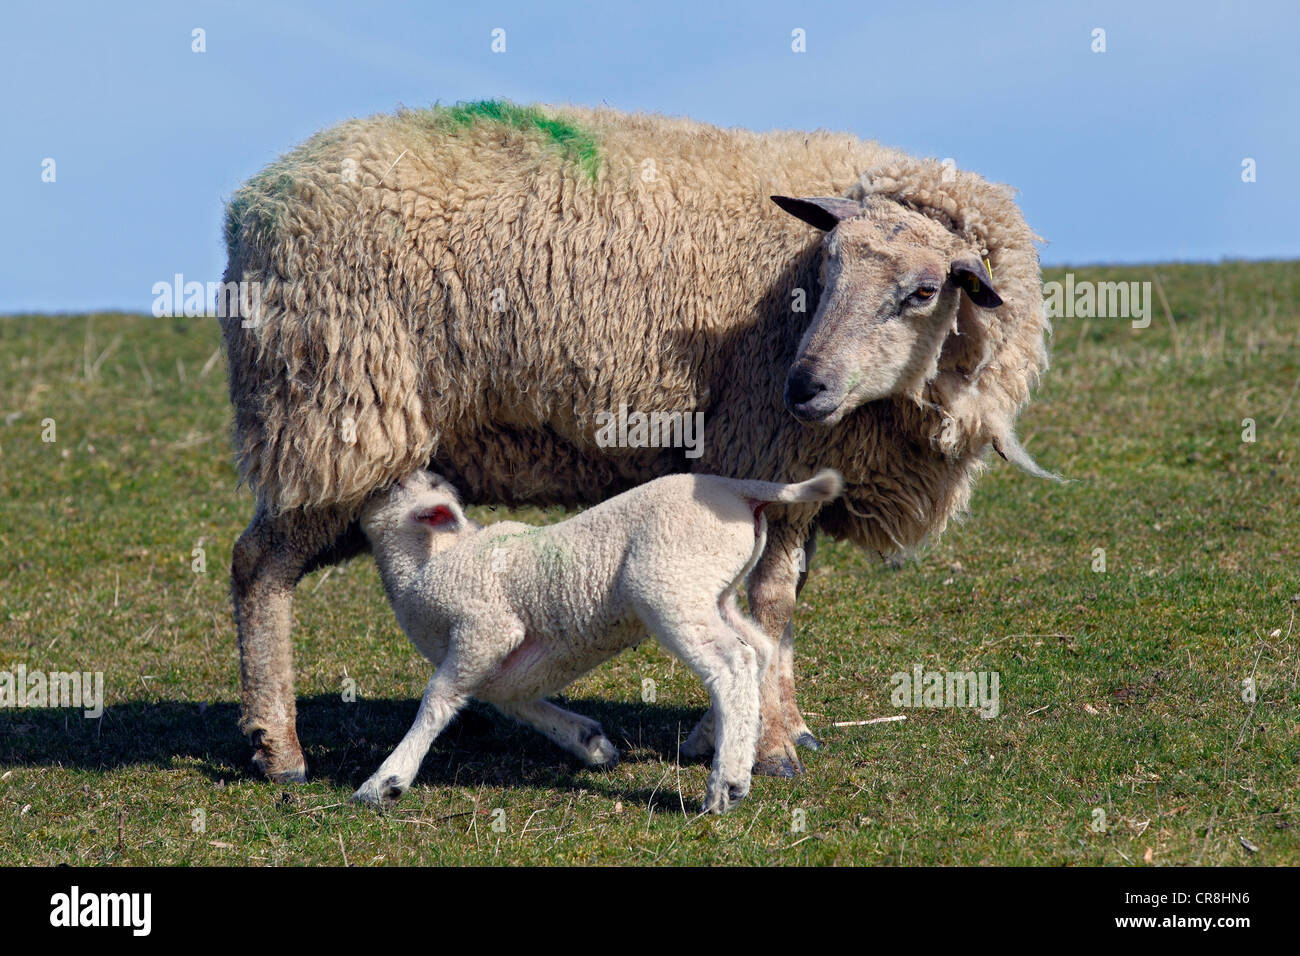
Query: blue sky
x=1132, y=155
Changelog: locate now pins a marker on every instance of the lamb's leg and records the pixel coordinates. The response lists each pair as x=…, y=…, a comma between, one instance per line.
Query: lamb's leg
x=750, y=633
x=729, y=667
x=580, y=736
x=443, y=697
x=269, y=559
x=772, y=588
x=701, y=739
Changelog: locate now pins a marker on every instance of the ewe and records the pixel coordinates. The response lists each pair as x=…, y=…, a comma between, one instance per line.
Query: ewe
x=510, y=613
x=474, y=289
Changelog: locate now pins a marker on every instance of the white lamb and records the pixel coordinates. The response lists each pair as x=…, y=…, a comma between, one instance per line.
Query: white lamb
x=510, y=613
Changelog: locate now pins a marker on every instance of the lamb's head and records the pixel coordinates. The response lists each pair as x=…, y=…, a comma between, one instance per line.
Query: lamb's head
x=892, y=281
x=420, y=514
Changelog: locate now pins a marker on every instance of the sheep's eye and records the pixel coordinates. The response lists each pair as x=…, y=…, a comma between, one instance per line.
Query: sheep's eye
x=923, y=293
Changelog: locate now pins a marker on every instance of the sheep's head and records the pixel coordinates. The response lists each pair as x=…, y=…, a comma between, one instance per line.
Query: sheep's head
x=420, y=513
x=892, y=280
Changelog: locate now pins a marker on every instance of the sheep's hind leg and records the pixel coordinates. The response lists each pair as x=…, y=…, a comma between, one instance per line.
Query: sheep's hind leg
x=580, y=736
x=269, y=559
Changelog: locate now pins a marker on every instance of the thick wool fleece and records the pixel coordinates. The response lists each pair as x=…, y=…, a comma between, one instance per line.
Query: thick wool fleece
x=512, y=613
x=470, y=291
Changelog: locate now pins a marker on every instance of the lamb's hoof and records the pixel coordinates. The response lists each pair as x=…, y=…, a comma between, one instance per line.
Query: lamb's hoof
x=777, y=766
x=380, y=793
x=806, y=739
x=721, y=798
x=601, y=753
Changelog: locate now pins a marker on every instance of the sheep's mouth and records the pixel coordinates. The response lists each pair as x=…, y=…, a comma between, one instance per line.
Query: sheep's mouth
x=813, y=396
x=813, y=411
x=823, y=409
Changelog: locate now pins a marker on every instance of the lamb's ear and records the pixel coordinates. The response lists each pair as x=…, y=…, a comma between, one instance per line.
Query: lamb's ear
x=439, y=516
x=821, y=212
x=969, y=273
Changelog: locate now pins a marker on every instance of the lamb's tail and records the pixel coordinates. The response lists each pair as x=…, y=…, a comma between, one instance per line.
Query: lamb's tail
x=823, y=486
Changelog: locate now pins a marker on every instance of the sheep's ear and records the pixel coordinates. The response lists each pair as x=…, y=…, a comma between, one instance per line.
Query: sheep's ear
x=823, y=212
x=969, y=273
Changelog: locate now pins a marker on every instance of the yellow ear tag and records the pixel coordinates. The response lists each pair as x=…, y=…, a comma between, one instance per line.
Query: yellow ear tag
x=988, y=266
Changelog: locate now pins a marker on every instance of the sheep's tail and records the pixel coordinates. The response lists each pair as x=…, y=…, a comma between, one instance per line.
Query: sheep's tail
x=823, y=486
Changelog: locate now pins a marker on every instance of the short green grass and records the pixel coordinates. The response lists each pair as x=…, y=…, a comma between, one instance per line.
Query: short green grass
x=1121, y=692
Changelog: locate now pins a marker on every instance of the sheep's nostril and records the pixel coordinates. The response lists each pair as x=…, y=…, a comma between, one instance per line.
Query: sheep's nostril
x=802, y=386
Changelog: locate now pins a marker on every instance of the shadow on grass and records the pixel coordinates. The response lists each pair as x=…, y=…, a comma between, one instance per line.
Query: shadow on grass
x=344, y=742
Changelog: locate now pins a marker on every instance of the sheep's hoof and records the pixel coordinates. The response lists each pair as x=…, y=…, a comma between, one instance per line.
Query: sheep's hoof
x=777, y=756
x=280, y=768
x=778, y=765
x=288, y=776
x=806, y=739
x=380, y=793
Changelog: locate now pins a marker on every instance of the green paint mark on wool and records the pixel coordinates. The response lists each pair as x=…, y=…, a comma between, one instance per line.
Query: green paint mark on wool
x=256, y=208
x=576, y=143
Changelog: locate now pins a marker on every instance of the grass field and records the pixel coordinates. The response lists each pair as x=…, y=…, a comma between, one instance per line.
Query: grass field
x=1121, y=691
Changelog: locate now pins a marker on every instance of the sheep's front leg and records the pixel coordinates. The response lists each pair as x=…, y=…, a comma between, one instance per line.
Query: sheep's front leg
x=443, y=697
x=772, y=588
x=580, y=736
x=799, y=730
